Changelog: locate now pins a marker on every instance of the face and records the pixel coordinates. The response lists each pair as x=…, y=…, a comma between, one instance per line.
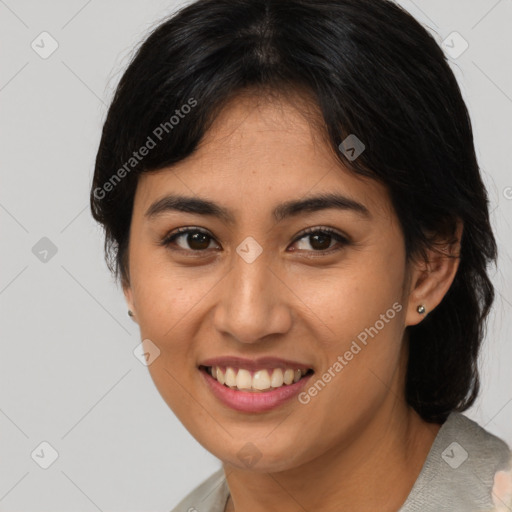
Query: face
x=320, y=285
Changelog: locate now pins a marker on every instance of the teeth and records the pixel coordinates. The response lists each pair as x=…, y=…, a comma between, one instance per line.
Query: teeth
x=230, y=377
x=288, y=376
x=277, y=380
x=243, y=380
x=219, y=375
x=261, y=380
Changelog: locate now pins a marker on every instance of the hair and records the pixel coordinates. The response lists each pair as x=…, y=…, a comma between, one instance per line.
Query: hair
x=371, y=70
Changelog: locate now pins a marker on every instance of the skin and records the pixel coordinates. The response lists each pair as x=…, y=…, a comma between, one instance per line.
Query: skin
x=355, y=446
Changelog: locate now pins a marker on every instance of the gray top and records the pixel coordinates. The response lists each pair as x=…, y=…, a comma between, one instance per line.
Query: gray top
x=457, y=476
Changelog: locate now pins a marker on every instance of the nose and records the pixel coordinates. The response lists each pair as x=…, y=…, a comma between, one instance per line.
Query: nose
x=252, y=304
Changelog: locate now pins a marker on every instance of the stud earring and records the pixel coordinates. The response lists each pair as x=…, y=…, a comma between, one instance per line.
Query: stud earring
x=130, y=313
x=421, y=309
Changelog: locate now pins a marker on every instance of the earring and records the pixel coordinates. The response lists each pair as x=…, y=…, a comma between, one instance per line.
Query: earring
x=130, y=313
x=421, y=309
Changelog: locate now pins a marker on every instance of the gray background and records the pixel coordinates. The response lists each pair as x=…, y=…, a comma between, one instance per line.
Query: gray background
x=69, y=376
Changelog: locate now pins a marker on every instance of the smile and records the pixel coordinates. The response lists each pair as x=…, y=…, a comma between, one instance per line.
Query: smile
x=254, y=390
x=262, y=380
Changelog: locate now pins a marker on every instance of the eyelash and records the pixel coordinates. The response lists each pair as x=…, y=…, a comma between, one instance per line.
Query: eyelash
x=171, y=237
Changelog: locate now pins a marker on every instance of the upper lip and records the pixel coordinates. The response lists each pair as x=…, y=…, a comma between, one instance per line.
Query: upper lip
x=254, y=364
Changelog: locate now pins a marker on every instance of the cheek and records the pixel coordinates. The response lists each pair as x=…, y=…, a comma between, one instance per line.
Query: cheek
x=357, y=377
x=359, y=323
x=166, y=302
x=345, y=300
x=164, y=294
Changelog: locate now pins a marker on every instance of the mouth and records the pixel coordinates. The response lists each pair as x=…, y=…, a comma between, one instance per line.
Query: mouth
x=263, y=380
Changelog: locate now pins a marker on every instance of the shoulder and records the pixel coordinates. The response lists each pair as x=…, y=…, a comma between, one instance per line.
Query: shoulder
x=209, y=496
x=465, y=468
x=473, y=446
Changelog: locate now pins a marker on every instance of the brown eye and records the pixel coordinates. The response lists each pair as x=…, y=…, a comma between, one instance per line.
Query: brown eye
x=196, y=240
x=189, y=239
x=320, y=240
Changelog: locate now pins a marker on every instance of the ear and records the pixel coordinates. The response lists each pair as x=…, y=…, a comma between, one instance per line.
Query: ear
x=430, y=280
x=128, y=295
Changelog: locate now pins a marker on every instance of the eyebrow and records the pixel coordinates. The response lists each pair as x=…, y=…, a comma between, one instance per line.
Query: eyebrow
x=293, y=208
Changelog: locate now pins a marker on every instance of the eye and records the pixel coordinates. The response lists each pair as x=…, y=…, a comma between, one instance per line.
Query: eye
x=196, y=239
x=320, y=239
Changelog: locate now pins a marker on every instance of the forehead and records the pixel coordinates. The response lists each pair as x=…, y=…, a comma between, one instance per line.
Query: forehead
x=262, y=150
x=293, y=126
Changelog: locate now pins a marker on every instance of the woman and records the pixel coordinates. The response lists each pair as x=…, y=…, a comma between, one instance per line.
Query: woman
x=292, y=202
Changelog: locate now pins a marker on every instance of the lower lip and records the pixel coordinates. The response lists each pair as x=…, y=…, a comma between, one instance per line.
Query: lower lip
x=247, y=401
